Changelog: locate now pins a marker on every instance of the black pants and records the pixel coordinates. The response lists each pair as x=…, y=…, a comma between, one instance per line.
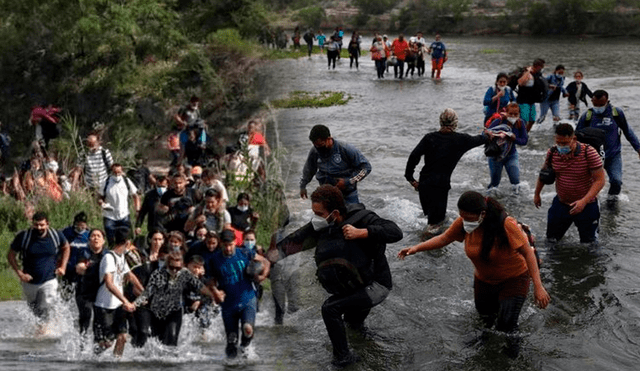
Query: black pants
x=140, y=328
x=433, y=201
x=85, y=311
x=353, y=57
x=352, y=309
x=168, y=328
x=331, y=58
x=310, y=47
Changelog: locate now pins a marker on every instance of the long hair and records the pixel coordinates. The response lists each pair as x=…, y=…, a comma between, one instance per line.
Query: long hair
x=492, y=223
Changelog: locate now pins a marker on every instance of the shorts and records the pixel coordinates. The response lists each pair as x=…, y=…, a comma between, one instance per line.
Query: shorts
x=42, y=297
x=528, y=112
x=436, y=63
x=108, y=323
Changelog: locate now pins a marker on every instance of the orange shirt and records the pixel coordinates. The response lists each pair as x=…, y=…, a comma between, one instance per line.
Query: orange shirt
x=400, y=48
x=504, y=262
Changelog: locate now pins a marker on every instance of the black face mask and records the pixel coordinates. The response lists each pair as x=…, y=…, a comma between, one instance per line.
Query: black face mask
x=323, y=151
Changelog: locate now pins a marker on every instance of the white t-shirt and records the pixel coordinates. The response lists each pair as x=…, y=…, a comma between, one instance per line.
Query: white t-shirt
x=117, y=196
x=118, y=267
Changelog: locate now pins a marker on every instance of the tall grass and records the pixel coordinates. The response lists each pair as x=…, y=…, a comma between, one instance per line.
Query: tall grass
x=13, y=219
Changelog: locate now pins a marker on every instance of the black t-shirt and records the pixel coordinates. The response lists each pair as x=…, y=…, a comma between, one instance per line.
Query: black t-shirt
x=240, y=220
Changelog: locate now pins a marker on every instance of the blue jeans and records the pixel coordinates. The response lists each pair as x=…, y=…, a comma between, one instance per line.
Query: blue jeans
x=110, y=226
x=380, y=66
x=559, y=220
x=398, y=66
x=510, y=163
x=613, y=166
x=544, y=108
x=245, y=313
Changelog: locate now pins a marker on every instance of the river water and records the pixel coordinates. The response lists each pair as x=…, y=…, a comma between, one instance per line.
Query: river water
x=429, y=320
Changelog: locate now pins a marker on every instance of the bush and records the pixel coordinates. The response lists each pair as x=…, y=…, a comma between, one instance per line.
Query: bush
x=311, y=17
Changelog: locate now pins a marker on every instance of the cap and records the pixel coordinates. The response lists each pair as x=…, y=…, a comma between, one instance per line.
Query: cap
x=227, y=236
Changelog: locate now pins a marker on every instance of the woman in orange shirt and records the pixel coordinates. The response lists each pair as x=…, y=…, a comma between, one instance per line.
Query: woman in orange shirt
x=503, y=259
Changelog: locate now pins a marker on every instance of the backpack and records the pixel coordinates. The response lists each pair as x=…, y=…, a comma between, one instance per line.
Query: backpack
x=597, y=137
x=308, y=38
x=90, y=283
x=342, y=275
x=594, y=137
x=126, y=182
x=540, y=88
x=527, y=232
x=26, y=240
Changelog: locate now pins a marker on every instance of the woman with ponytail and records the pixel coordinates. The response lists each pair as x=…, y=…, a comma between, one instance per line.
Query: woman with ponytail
x=503, y=259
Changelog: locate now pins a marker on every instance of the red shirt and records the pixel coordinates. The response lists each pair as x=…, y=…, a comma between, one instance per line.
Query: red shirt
x=257, y=138
x=573, y=173
x=400, y=48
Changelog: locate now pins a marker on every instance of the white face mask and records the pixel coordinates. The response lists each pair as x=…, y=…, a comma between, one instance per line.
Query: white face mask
x=117, y=178
x=599, y=110
x=243, y=208
x=501, y=87
x=161, y=190
x=512, y=120
x=319, y=223
x=471, y=226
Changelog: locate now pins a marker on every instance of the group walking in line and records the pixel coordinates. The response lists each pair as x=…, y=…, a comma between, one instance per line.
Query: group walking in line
x=200, y=255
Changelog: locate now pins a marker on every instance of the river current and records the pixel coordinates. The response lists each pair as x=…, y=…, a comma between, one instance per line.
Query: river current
x=429, y=321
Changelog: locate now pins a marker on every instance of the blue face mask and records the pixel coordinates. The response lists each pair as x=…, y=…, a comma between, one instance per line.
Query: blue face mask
x=563, y=150
x=599, y=110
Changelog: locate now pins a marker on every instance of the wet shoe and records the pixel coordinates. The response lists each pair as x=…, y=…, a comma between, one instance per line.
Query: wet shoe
x=492, y=192
x=515, y=189
x=345, y=361
x=231, y=350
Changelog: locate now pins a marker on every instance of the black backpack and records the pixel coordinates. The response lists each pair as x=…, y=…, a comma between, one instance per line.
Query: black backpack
x=540, y=88
x=90, y=283
x=342, y=275
x=594, y=137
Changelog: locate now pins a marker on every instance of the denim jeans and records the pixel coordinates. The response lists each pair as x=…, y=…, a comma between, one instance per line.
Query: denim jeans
x=510, y=163
x=544, y=108
x=110, y=226
x=398, y=67
x=240, y=313
x=355, y=308
x=380, y=66
x=559, y=220
x=613, y=166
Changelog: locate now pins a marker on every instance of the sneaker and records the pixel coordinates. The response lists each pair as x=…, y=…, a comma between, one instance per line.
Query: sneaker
x=345, y=361
x=515, y=189
x=435, y=229
x=231, y=350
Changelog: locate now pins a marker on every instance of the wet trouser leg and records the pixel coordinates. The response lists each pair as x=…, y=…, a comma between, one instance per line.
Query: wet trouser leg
x=142, y=319
x=354, y=308
x=172, y=324
x=613, y=167
x=85, y=311
x=433, y=201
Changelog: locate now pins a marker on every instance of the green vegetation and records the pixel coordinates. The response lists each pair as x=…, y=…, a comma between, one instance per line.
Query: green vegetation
x=303, y=99
x=552, y=17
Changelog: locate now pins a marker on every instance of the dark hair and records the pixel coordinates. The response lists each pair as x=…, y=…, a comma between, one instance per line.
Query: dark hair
x=564, y=130
x=492, y=223
x=156, y=231
x=559, y=67
x=330, y=197
x=502, y=75
x=40, y=216
x=319, y=132
x=194, y=99
x=80, y=217
x=174, y=256
x=249, y=231
x=244, y=196
x=104, y=235
x=212, y=192
x=515, y=105
x=115, y=164
x=121, y=235
x=196, y=259
x=539, y=62
x=600, y=93
x=161, y=178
